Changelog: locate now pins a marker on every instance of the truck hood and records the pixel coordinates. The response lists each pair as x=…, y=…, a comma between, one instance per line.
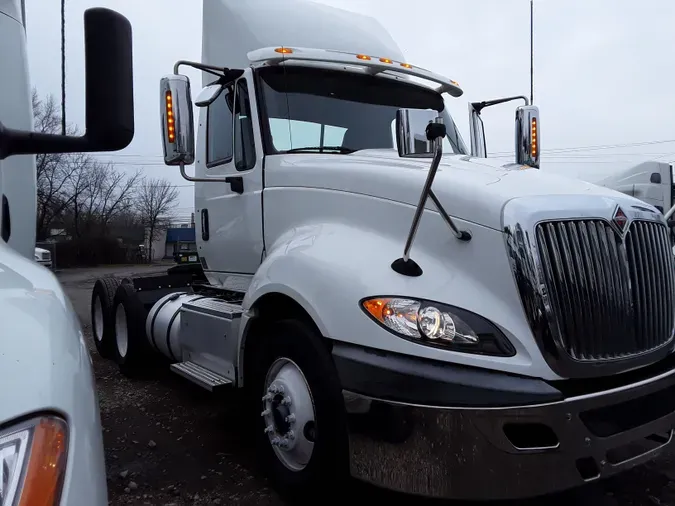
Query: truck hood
x=472, y=189
x=42, y=346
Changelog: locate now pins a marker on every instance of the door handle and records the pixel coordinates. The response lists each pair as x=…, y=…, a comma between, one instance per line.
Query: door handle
x=205, y=225
x=236, y=183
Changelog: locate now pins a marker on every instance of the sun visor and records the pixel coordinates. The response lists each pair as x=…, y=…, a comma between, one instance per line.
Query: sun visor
x=233, y=28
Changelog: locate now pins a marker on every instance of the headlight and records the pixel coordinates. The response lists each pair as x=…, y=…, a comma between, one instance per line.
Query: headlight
x=33, y=462
x=438, y=325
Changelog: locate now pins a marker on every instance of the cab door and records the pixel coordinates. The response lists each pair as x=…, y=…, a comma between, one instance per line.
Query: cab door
x=229, y=215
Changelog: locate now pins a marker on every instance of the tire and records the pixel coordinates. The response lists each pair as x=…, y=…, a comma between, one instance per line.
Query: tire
x=130, y=348
x=294, y=353
x=101, y=312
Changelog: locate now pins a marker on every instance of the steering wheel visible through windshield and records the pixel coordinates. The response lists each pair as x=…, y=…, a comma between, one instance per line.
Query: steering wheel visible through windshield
x=316, y=110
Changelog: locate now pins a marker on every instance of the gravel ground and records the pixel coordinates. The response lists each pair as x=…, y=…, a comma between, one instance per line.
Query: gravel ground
x=168, y=442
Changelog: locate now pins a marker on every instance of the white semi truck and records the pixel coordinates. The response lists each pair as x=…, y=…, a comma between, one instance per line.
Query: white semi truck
x=395, y=306
x=51, y=448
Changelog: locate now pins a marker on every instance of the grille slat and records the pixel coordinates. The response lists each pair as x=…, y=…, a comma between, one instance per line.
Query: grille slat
x=608, y=298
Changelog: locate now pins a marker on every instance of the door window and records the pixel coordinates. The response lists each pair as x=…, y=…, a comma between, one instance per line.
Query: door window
x=219, y=122
x=244, y=143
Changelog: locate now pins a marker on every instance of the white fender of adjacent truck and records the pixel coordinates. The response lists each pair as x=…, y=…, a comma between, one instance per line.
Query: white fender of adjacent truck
x=45, y=367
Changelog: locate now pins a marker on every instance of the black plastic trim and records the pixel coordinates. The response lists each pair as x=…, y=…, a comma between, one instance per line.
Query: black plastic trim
x=6, y=220
x=413, y=380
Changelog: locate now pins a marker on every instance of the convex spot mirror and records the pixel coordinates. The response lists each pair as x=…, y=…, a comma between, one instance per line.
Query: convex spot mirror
x=177, y=117
x=411, y=132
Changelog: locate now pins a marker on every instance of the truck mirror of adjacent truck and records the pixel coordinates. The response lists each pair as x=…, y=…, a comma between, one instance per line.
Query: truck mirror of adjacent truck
x=178, y=136
x=109, y=94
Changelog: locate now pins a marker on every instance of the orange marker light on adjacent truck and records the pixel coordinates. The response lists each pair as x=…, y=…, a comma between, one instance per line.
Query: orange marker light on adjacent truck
x=284, y=50
x=363, y=57
x=170, y=130
x=406, y=65
x=385, y=60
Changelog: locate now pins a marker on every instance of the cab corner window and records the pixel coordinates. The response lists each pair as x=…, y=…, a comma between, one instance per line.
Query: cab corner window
x=244, y=143
x=219, y=122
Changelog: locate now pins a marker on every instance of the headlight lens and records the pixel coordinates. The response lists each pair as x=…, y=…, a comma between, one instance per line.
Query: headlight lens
x=438, y=325
x=33, y=462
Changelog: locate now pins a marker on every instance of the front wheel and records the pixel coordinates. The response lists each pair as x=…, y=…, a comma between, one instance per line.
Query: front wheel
x=301, y=433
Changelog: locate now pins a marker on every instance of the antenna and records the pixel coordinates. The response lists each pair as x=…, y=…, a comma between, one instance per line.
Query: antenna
x=531, y=51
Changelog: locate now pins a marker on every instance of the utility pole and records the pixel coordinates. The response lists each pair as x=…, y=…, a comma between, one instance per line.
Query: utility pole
x=531, y=51
x=63, y=67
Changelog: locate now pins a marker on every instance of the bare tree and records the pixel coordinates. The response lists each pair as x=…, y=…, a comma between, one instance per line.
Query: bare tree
x=155, y=203
x=76, y=189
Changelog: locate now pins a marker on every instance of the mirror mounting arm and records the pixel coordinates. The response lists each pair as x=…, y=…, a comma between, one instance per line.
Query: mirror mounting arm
x=479, y=106
x=201, y=179
x=405, y=265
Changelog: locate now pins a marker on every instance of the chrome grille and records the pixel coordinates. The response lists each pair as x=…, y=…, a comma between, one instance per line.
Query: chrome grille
x=607, y=298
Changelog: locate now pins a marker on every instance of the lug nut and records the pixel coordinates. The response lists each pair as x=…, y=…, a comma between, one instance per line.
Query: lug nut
x=267, y=397
x=291, y=435
x=290, y=418
x=266, y=412
x=284, y=443
x=286, y=401
x=273, y=389
x=276, y=441
x=269, y=429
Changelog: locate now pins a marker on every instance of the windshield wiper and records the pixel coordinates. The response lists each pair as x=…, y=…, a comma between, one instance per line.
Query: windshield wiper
x=321, y=149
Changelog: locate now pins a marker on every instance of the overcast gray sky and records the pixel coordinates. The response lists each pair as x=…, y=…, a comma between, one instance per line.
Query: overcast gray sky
x=604, y=70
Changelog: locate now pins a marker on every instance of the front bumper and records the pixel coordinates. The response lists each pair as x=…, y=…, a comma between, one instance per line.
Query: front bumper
x=478, y=448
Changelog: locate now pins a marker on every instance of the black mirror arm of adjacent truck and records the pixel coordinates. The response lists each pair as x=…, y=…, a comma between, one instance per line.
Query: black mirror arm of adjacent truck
x=109, y=90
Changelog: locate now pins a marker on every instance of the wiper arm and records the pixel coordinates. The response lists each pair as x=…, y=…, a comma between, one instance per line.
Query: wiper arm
x=321, y=149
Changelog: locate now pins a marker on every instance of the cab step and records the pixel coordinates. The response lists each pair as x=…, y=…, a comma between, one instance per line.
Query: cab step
x=200, y=375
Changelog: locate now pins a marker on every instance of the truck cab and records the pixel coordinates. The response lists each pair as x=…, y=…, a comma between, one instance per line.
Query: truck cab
x=387, y=297
x=51, y=447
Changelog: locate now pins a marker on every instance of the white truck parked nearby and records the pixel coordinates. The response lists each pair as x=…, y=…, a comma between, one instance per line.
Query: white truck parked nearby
x=51, y=448
x=396, y=307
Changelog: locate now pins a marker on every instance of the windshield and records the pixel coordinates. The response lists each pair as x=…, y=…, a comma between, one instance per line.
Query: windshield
x=318, y=110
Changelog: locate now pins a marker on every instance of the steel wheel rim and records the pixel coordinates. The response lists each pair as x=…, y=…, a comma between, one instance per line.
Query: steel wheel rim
x=121, y=334
x=98, y=319
x=289, y=414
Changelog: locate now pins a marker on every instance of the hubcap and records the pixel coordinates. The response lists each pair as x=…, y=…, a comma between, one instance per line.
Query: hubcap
x=121, y=336
x=98, y=319
x=289, y=414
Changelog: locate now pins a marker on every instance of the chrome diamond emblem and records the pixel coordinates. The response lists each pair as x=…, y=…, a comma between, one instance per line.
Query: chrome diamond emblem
x=620, y=219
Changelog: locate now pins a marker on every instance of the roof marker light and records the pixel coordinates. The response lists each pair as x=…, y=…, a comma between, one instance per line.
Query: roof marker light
x=363, y=57
x=385, y=60
x=284, y=50
x=406, y=65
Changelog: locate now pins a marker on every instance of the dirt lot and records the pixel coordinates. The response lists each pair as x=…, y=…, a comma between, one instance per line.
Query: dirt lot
x=171, y=443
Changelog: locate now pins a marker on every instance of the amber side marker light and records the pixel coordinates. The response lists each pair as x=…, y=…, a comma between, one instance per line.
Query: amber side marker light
x=284, y=50
x=46, y=465
x=533, y=130
x=170, y=121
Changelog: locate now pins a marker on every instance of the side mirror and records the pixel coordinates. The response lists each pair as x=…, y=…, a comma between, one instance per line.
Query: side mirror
x=527, y=136
x=178, y=138
x=208, y=95
x=411, y=133
x=109, y=94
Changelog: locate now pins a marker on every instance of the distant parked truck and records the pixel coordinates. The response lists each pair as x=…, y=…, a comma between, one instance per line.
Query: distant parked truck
x=43, y=257
x=396, y=306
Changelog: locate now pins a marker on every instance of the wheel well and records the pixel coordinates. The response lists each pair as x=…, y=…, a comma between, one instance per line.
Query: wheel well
x=270, y=308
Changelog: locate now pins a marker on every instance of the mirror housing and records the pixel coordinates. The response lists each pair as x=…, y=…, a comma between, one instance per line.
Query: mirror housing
x=109, y=94
x=527, y=136
x=178, y=138
x=206, y=97
x=411, y=133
